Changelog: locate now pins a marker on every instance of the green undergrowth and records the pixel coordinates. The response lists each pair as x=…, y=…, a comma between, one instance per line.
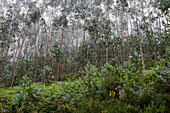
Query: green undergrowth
x=114, y=89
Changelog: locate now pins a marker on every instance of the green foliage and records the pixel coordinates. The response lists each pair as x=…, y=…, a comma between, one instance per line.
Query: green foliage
x=34, y=14
x=112, y=81
x=69, y=76
x=82, y=54
x=164, y=5
x=135, y=63
x=113, y=90
x=107, y=106
x=92, y=80
x=57, y=52
x=46, y=72
x=61, y=21
x=24, y=67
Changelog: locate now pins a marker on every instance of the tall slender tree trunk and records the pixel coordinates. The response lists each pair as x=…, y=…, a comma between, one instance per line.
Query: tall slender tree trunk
x=1, y=49
x=62, y=37
x=13, y=62
x=46, y=48
x=27, y=48
x=59, y=61
x=50, y=37
x=51, y=43
x=131, y=26
x=37, y=41
x=15, y=69
x=159, y=20
x=121, y=17
x=129, y=53
x=107, y=16
x=53, y=60
x=150, y=24
x=58, y=69
x=46, y=53
x=75, y=71
x=36, y=49
x=106, y=52
x=87, y=53
x=84, y=31
x=4, y=62
x=77, y=42
x=138, y=33
x=7, y=50
x=159, y=24
x=120, y=55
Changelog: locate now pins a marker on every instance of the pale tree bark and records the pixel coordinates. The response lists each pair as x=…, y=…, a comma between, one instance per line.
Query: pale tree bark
x=107, y=16
x=59, y=61
x=121, y=18
x=18, y=57
x=106, y=52
x=46, y=53
x=159, y=25
x=47, y=44
x=14, y=60
x=145, y=35
x=75, y=71
x=62, y=38
x=37, y=41
x=15, y=54
x=46, y=48
x=51, y=46
x=36, y=49
x=77, y=41
x=159, y=20
x=131, y=26
x=50, y=36
x=53, y=61
x=51, y=43
x=84, y=31
x=138, y=33
x=129, y=52
x=27, y=48
x=1, y=50
x=117, y=29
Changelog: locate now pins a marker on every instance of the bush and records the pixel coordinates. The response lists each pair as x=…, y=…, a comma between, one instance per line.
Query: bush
x=113, y=90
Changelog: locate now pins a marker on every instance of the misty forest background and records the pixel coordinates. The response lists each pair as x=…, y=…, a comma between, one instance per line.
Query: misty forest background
x=107, y=53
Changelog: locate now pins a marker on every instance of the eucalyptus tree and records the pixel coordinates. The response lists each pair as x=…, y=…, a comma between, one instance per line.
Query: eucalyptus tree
x=121, y=5
x=61, y=23
x=81, y=13
x=57, y=52
x=9, y=29
x=165, y=43
x=138, y=34
x=106, y=33
x=33, y=18
x=19, y=33
x=151, y=32
x=93, y=27
x=116, y=45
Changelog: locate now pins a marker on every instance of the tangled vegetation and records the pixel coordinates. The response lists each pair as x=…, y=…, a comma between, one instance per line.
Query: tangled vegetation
x=114, y=89
x=84, y=56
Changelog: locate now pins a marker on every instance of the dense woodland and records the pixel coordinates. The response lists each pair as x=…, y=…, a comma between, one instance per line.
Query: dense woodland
x=84, y=56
